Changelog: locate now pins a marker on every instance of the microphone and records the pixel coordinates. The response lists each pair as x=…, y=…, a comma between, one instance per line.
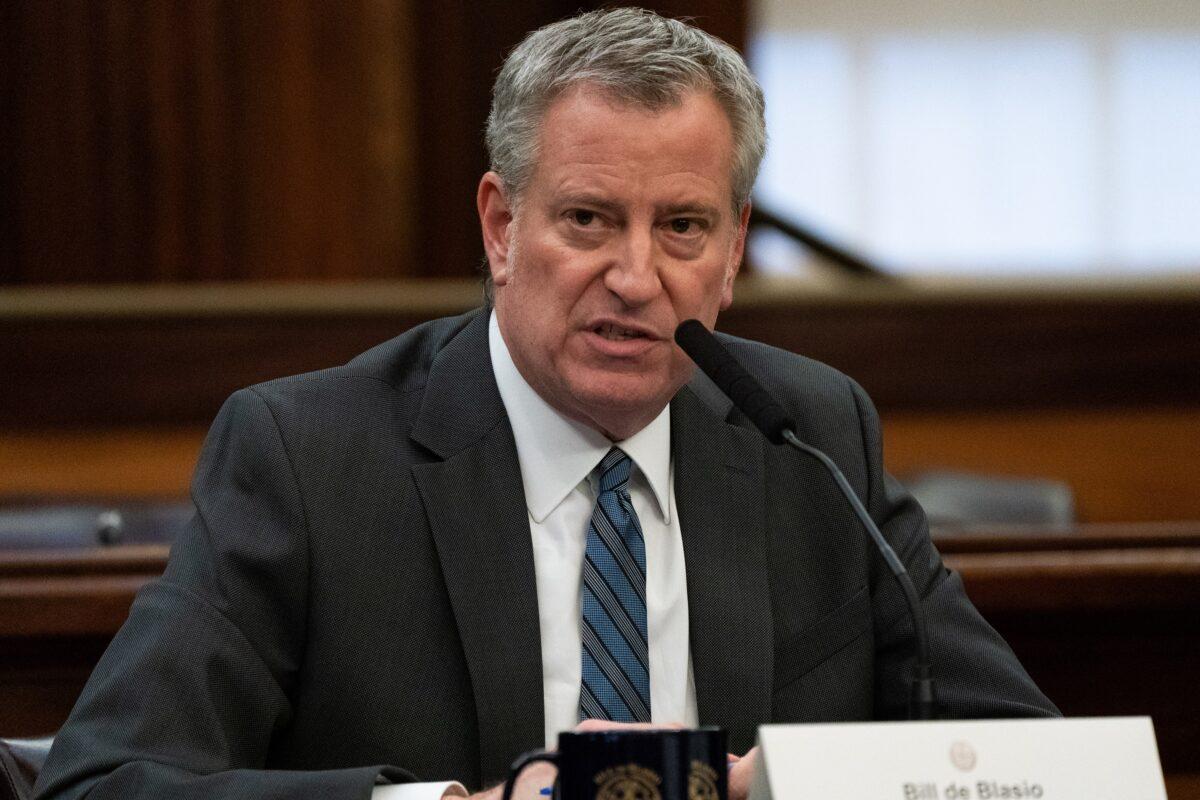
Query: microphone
x=731, y=378
x=769, y=417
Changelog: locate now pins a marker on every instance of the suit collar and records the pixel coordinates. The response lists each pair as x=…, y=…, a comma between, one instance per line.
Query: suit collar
x=476, y=509
x=461, y=404
x=485, y=550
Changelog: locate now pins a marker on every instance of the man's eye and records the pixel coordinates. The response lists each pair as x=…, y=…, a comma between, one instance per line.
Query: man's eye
x=683, y=225
x=583, y=218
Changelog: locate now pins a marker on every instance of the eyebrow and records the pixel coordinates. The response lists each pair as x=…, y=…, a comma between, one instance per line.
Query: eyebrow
x=593, y=201
x=698, y=209
x=612, y=207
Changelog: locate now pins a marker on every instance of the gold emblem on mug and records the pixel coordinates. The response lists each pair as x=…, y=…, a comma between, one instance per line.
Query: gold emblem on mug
x=628, y=782
x=702, y=782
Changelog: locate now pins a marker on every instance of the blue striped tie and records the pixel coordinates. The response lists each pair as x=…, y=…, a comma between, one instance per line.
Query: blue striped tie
x=616, y=663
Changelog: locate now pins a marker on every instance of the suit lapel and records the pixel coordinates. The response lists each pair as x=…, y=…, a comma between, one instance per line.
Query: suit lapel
x=476, y=509
x=720, y=493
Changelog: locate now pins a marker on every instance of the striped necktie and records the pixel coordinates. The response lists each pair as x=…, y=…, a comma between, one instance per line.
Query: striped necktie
x=616, y=664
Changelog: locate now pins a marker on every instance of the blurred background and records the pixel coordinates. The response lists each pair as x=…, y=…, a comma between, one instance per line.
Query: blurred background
x=987, y=213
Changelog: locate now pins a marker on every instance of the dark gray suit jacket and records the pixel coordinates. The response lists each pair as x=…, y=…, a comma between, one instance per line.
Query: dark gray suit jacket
x=356, y=588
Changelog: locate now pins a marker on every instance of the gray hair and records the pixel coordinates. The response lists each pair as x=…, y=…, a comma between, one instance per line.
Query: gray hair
x=636, y=56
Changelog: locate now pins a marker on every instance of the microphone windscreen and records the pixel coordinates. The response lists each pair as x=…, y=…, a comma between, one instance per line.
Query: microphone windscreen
x=732, y=378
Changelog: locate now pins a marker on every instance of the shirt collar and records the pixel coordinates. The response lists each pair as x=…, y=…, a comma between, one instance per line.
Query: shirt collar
x=557, y=453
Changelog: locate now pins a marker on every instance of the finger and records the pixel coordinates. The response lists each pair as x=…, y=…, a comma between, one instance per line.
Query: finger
x=741, y=775
x=593, y=725
x=534, y=779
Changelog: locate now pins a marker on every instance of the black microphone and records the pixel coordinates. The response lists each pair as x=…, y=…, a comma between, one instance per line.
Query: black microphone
x=746, y=393
x=769, y=417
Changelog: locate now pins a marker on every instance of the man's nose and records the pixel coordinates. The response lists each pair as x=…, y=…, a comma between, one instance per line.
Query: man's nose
x=633, y=275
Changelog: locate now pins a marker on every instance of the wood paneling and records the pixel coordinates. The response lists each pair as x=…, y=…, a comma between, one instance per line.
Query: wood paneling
x=151, y=142
x=990, y=345
x=135, y=357
x=1127, y=465
x=40, y=679
x=1183, y=786
x=1123, y=466
x=107, y=391
x=143, y=463
x=249, y=139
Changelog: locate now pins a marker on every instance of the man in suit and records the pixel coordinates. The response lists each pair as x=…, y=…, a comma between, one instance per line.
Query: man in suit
x=473, y=536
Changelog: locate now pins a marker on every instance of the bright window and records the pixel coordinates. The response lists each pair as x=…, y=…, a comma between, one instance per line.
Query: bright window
x=936, y=146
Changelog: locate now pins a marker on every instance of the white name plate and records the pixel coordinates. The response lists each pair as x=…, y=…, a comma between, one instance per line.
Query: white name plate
x=1052, y=759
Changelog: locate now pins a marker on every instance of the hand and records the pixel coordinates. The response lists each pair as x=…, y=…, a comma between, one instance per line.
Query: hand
x=593, y=725
x=530, y=783
x=741, y=774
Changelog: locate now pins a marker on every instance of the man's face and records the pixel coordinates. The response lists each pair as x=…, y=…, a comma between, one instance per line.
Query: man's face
x=624, y=231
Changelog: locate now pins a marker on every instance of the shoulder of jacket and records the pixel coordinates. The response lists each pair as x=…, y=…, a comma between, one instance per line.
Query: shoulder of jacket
x=400, y=364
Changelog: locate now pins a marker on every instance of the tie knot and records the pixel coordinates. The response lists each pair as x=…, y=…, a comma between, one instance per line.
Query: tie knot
x=614, y=470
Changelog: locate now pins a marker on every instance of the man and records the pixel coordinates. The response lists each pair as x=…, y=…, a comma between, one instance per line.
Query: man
x=492, y=527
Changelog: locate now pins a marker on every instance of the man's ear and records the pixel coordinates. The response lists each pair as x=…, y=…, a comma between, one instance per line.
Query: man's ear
x=735, y=257
x=495, y=218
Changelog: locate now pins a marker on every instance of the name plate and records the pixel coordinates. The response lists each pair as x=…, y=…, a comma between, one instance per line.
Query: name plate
x=1050, y=759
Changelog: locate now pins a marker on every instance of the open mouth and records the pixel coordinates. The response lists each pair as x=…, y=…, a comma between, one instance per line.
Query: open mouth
x=616, y=333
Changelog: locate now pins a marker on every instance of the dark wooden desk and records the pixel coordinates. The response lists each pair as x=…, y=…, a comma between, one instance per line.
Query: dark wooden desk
x=1106, y=618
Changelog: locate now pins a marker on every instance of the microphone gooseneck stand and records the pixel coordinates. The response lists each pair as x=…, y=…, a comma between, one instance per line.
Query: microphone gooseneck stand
x=769, y=417
x=922, y=702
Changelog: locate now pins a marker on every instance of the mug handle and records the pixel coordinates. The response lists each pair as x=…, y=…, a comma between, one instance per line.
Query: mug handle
x=524, y=761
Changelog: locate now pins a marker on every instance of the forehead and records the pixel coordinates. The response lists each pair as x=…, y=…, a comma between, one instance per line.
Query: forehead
x=591, y=140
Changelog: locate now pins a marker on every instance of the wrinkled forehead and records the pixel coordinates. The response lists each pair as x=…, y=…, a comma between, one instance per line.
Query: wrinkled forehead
x=711, y=124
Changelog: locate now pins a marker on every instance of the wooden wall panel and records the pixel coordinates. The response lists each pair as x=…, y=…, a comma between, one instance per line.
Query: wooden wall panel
x=925, y=346
x=149, y=463
x=1124, y=466
x=1098, y=389
x=161, y=356
x=251, y=139
x=151, y=142
x=1129, y=465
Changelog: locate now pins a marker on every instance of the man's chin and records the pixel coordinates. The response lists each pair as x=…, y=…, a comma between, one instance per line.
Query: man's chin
x=621, y=408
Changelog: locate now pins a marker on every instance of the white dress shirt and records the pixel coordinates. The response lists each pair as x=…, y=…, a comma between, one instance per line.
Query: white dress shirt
x=557, y=457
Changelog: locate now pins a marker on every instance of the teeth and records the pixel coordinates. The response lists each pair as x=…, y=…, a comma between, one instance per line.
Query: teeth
x=610, y=331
